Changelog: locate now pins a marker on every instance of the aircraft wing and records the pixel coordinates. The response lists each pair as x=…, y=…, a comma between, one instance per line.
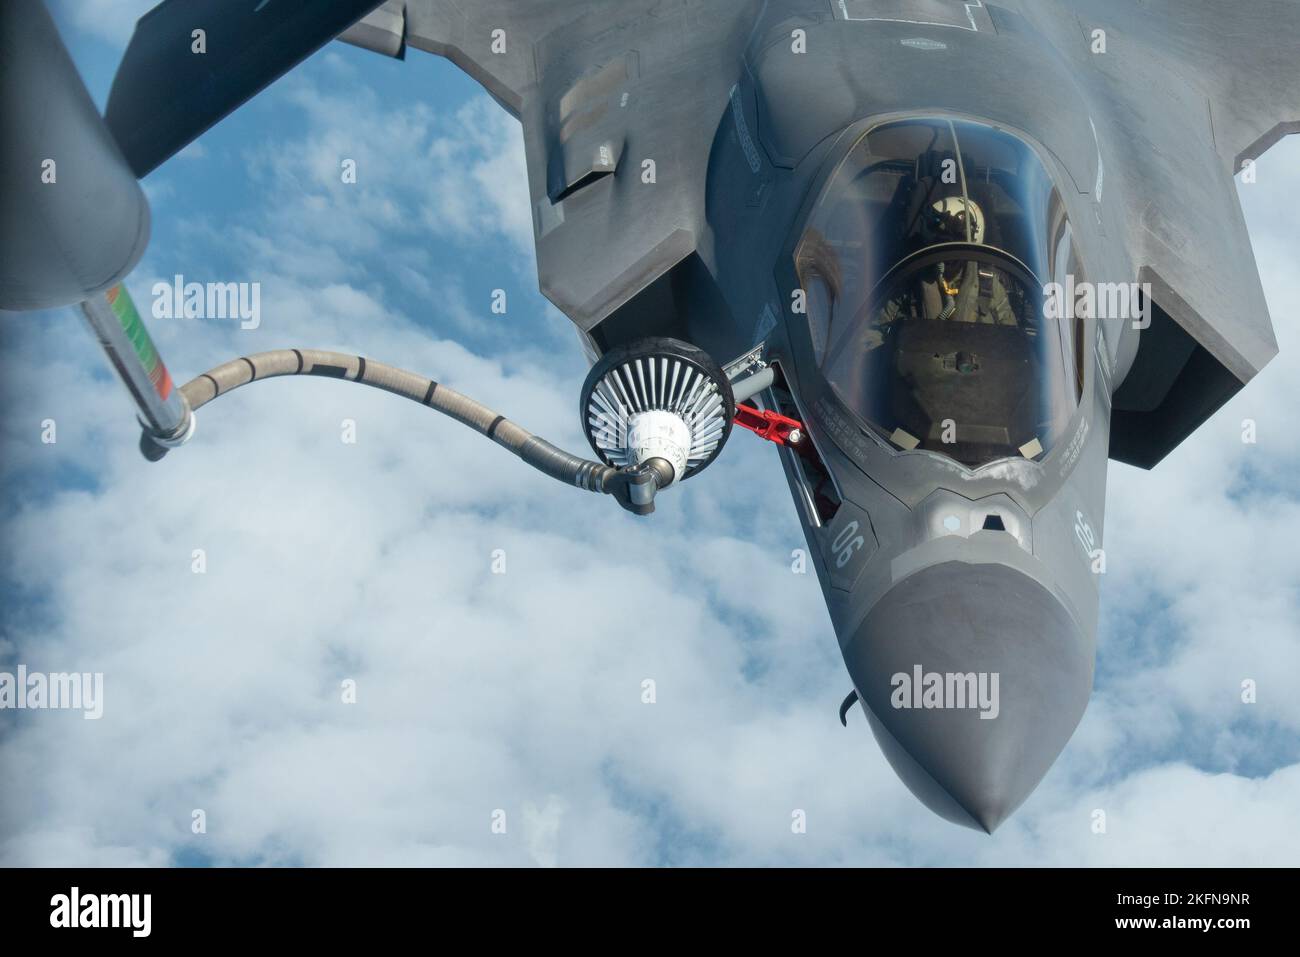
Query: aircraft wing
x=1243, y=54
x=626, y=86
x=191, y=62
x=1191, y=89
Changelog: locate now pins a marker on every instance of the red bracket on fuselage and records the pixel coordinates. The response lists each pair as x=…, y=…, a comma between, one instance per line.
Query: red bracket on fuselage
x=771, y=426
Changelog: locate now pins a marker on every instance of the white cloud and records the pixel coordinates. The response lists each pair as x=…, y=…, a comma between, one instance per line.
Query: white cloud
x=110, y=20
x=454, y=177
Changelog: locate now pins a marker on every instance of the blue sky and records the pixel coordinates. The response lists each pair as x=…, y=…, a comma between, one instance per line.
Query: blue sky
x=522, y=691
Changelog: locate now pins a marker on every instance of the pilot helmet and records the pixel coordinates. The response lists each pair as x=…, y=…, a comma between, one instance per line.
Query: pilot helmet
x=946, y=221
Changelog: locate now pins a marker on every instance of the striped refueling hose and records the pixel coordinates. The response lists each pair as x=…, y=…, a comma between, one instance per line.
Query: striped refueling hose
x=634, y=488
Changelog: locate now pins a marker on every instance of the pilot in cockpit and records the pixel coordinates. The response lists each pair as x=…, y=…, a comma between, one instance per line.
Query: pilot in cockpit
x=962, y=289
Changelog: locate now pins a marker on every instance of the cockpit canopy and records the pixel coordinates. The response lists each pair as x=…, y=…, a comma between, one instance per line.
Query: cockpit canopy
x=926, y=265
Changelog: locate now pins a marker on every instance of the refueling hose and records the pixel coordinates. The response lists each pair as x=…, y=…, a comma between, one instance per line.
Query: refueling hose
x=634, y=488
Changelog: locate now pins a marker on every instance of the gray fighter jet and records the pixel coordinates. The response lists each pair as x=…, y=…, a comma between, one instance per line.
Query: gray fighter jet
x=950, y=255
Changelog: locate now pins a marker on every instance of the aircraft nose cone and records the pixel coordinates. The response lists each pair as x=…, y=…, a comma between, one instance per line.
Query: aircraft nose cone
x=973, y=677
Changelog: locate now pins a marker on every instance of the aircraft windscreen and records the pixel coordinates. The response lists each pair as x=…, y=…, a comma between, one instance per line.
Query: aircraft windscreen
x=924, y=264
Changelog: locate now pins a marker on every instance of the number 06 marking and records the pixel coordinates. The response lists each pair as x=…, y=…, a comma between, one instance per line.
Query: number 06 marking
x=846, y=543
